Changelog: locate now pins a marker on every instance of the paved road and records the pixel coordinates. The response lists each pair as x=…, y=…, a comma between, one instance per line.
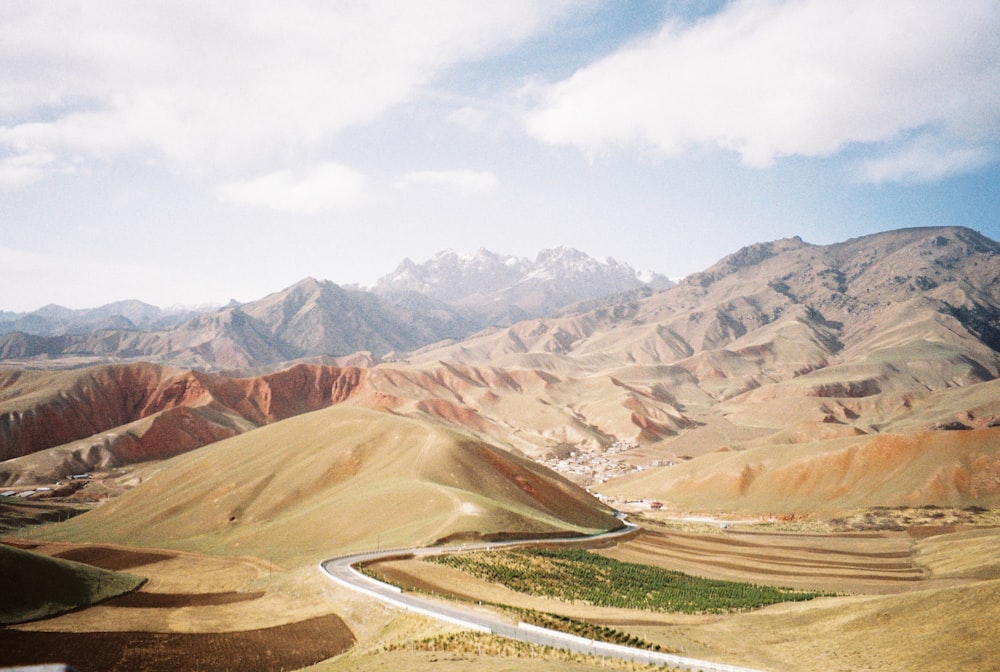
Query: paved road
x=341, y=569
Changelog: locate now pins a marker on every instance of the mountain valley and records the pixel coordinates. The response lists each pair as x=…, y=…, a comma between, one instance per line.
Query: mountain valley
x=486, y=397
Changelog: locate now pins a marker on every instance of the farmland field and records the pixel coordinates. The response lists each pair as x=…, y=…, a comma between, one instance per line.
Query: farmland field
x=579, y=576
x=895, y=587
x=282, y=647
x=194, y=606
x=195, y=612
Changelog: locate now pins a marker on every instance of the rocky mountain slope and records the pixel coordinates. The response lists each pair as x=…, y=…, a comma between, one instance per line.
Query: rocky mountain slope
x=499, y=289
x=448, y=297
x=781, y=349
x=778, y=345
x=53, y=320
x=309, y=319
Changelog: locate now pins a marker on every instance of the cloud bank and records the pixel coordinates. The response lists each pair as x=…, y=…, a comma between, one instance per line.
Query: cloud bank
x=218, y=85
x=769, y=79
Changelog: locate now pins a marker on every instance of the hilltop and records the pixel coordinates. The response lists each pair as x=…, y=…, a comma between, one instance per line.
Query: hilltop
x=339, y=479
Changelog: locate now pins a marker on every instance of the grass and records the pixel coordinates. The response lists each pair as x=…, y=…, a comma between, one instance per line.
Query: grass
x=471, y=650
x=579, y=576
x=34, y=586
x=336, y=480
x=547, y=620
x=482, y=644
x=585, y=629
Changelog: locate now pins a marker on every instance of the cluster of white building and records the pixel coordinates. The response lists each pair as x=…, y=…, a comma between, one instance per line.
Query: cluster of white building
x=595, y=465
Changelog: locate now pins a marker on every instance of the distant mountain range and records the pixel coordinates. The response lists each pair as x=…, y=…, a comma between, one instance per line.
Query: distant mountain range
x=53, y=320
x=498, y=290
x=782, y=366
x=449, y=297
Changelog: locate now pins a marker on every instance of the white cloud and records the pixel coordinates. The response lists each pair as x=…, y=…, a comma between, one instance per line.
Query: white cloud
x=321, y=188
x=20, y=170
x=468, y=181
x=768, y=79
x=222, y=83
x=925, y=160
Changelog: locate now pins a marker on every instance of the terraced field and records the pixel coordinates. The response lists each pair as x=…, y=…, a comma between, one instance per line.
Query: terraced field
x=875, y=562
x=577, y=576
x=922, y=599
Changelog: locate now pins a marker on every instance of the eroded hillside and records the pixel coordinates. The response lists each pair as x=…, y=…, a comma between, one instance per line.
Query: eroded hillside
x=53, y=424
x=777, y=347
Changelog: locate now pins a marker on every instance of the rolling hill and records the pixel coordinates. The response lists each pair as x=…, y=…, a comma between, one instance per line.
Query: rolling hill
x=336, y=480
x=34, y=586
x=782, y=356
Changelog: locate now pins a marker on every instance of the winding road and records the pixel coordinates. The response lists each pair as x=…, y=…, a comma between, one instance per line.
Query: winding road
x=341, y=570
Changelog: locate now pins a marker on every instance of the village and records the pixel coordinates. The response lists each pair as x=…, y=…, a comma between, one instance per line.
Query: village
x=590, y=467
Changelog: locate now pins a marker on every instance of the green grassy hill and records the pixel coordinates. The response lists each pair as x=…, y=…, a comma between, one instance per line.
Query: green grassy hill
x=34, y=586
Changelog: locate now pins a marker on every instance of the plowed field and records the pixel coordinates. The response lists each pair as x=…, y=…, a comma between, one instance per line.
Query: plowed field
x=196, y=613
x=865, y=562
x=286, y=647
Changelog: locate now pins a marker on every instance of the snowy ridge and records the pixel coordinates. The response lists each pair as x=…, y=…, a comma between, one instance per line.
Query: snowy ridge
x=503, y=288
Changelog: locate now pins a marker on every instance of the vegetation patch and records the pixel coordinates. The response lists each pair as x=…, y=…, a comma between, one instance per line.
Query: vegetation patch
x=477, y=644
x=572, y=626
x=899, y=518
x=547, y=620
x=34, y=586
x=579, y=576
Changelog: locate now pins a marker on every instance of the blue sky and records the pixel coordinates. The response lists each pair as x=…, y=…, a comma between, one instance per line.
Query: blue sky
x=204, y=151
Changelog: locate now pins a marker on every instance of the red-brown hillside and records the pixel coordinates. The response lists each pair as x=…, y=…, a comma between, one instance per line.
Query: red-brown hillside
x=111, y=415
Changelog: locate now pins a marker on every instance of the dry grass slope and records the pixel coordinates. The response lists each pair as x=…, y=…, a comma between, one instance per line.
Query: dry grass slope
x=338, y=480
x=930, y=468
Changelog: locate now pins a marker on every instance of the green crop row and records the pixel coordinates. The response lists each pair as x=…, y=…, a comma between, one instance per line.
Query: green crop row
x=581, y=576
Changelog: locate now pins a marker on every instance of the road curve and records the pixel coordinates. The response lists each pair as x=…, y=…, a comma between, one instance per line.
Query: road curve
x=341, y=570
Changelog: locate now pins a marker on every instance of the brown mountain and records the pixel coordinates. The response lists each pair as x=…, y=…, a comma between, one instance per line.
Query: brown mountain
x=309, y=319
x=781, y=344
x=53, y=424
x=779, y=347
x=449, y=297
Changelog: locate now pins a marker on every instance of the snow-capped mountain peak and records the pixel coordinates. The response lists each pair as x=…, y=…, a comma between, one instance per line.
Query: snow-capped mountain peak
x=512, y=287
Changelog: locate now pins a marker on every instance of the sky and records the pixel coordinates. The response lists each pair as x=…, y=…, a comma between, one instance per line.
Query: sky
x=194, y=152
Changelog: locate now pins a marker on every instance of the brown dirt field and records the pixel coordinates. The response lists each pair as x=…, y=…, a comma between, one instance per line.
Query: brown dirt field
x=283, y=647
x=113, y=558
x=195, y=612
x=140, y=600
x=855, y=563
